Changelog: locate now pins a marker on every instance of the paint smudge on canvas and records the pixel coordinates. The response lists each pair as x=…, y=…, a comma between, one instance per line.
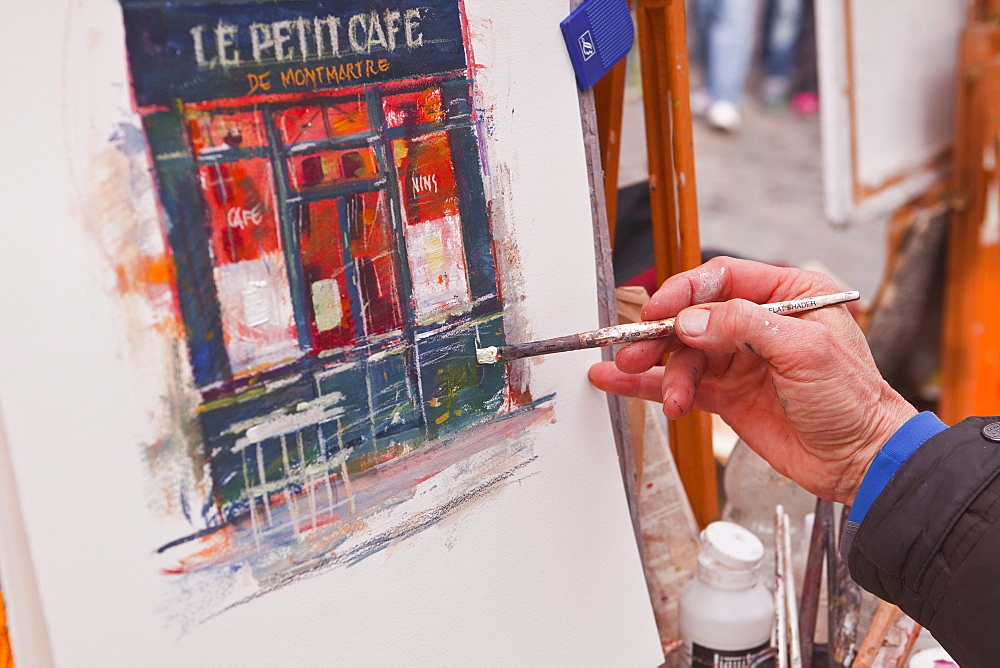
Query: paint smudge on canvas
x=327, y=245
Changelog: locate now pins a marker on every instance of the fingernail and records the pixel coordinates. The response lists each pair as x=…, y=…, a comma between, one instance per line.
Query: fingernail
x=693, y=321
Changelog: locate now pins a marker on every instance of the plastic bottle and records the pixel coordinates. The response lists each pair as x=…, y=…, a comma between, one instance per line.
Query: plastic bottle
x=725, y=613
x=753, y=489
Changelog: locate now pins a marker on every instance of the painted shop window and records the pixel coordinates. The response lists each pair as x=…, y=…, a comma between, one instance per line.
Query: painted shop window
x=432, y=225
x=331, y=167
x=371, y=242
x=415, y=108
x=348, y=243
x=213, y=131
x=319, y=123
x=330, y=320
x=249, y=267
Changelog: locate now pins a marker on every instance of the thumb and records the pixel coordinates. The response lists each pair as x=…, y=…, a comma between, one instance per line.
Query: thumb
x=742, y=326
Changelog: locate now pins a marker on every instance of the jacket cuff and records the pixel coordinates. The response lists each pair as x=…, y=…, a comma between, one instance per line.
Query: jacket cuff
x=932, y=501
x=897, y=450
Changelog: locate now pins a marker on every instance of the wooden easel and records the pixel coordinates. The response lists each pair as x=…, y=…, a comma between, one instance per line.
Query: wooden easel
x=970, y=364
x=669, y=145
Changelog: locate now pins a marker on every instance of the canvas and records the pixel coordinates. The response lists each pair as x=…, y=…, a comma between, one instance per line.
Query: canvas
x=257, y=245
x=888, y=114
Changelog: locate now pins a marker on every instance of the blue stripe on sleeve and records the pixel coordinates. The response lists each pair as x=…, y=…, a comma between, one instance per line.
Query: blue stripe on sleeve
x=897, y=450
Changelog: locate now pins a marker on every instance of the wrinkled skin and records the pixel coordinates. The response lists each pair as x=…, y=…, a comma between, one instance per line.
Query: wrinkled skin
x=802, y=391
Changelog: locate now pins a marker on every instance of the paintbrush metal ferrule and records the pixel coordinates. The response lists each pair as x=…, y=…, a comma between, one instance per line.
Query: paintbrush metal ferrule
x=637, y=331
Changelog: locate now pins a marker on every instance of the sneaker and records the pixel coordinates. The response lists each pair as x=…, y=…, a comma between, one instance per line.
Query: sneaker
x=700, y=102
x=723, y=115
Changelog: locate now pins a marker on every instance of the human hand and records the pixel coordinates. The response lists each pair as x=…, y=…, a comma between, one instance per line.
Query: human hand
x=803, y=391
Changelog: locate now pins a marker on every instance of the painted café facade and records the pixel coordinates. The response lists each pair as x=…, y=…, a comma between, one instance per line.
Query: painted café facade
x=321, y=190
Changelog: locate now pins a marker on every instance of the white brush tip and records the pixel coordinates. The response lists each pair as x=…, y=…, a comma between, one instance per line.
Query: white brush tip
x=487, y=355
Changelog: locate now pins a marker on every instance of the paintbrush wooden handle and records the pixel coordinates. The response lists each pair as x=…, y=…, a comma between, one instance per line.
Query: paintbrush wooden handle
x=606, y=336
x=637, y=331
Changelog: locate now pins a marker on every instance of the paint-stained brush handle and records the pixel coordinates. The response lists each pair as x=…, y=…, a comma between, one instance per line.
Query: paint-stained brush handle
x=637, y=331
x=606, y=336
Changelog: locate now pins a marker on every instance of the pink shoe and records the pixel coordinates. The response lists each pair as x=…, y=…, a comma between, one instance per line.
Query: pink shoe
x=805, y=104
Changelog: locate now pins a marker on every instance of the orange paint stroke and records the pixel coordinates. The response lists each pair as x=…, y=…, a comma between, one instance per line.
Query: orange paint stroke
x=6, y=654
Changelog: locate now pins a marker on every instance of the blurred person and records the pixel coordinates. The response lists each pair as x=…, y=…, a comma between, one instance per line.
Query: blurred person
x=726, y=40
x=782, y=30
x=789, y=56
x=803, y=391
x=805, y=76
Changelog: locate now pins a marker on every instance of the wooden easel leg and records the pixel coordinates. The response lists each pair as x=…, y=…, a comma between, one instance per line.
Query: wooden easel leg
x=670, y=148
x=609, y=100
x=970, y=365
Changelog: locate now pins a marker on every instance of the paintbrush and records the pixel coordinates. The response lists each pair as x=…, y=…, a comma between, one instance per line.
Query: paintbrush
x=636, y=331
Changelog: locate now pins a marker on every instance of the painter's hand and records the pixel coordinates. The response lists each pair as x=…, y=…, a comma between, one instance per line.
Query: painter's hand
x=803, y=391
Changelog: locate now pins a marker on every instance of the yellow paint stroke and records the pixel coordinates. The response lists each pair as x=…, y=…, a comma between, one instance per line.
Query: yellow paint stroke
x=435, y=256
x=230, y=400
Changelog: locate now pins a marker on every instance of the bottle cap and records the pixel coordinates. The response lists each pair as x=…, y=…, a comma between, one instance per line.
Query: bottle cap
x=732, y=546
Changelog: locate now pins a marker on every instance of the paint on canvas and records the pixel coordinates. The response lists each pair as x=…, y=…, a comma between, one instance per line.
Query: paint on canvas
x=325, y=263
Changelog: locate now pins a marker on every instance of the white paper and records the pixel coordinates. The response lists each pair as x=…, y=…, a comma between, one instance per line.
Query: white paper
x=542, y=569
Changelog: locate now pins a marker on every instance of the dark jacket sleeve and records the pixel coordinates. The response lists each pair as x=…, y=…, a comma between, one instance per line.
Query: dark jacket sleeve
x=930, y=543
